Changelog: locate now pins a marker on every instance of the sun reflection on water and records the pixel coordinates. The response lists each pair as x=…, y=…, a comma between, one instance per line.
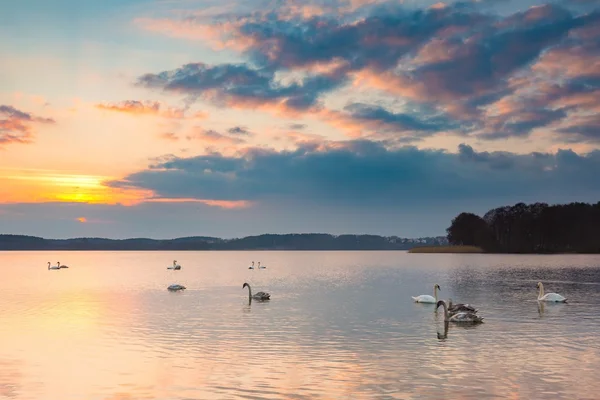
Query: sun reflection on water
x=107, y=328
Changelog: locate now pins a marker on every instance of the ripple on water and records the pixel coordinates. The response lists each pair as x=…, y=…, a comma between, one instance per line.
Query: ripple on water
x=339, y=325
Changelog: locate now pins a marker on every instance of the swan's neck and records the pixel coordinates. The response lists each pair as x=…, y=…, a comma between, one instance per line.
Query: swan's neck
x=541, y=292
x=435, y=293
x=249, y=293
x=445, y=311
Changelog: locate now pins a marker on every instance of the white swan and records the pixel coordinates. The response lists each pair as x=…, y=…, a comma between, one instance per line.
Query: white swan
x=175, y=265
x=252, y=266
x=549, y=296
x=425, y=298
x=176, y=287
x=257, y=296
x=463, y=316
x=261, y=266
x=53, y=266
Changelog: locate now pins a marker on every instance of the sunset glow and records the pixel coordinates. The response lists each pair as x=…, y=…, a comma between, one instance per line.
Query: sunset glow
x=343, y=116
x=47, y=186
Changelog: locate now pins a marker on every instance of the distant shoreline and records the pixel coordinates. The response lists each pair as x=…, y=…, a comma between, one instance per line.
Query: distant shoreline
x=266, y=242
x=447, y=249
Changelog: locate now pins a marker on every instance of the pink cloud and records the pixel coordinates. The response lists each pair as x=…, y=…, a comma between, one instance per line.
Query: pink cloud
x=169, y=136
x=133, y=107
x=218, y=35
x=18, y=126
x=149, y=108
x=226, y=204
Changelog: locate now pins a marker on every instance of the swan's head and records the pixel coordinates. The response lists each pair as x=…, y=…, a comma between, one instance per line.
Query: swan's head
x=539, y=285
x=438, y=287
x=439, y=303
x=244, y=285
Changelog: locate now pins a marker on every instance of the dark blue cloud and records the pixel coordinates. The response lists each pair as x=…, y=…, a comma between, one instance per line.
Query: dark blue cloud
x=366, y=174
x=240, y=84
x=521, y=122
x=398, y=122
x=480, y=65
x=239, y=130
x=378, y=40
x=583, y=129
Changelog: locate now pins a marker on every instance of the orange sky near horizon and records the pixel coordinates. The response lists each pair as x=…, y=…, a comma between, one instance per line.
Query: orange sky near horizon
x=37, y=186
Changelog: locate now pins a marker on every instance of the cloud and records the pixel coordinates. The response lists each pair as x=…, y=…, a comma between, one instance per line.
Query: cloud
x=297, y=127
x=17, y=126
x=239, y=85
x=366, y=174
x=149, y=108
x=520, y=122
x=212, y=137
x=169, y=136
x=362, y=120
x=224, y=204
x=239, y=130
x=583, y=129
x=452, y=60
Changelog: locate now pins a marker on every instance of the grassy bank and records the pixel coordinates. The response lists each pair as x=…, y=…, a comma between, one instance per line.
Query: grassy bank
x=446, y=249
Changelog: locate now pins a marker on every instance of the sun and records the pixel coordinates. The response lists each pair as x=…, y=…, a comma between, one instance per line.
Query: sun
x=33, y=186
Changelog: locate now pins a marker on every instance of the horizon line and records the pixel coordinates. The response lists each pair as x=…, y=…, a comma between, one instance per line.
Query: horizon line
x=221, y=238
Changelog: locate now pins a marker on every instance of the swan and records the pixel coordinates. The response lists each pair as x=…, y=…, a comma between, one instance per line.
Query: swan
x=425, y=298
x=52, y=266
x=252, y=266
x=549, y=296
x=463, y=316
x=261, y=266
x=444, y=336
x=176, y=287
x=61, y=266
x=257, y=296
x=175, y=265
x=460, y=307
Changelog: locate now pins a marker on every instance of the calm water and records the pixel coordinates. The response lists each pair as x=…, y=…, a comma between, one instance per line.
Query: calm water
x=339, y=325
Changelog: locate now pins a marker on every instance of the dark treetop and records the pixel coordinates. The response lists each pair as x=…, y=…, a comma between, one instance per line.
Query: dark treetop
x=531, y=228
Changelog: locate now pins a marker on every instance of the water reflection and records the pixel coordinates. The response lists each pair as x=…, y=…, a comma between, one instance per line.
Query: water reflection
x=554, y=309
x=343, y=326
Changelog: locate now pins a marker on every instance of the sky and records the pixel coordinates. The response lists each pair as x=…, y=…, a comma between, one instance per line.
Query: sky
x=172, y=118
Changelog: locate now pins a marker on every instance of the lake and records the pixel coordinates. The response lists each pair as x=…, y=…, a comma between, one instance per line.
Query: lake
x=339, y=325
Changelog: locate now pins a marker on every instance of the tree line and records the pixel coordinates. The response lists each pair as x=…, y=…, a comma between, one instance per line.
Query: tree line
x=531, y=228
